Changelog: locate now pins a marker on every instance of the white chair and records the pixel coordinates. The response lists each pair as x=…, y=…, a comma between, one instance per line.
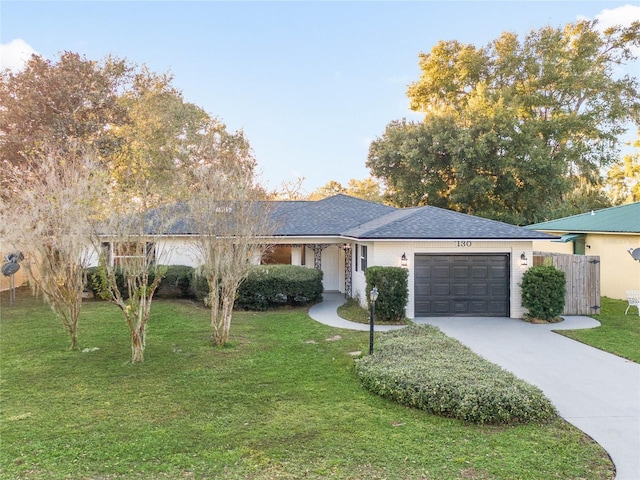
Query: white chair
x=633, y=297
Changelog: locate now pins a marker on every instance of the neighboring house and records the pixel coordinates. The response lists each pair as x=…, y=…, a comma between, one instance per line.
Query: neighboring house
x=459, y=265
x=608, y=233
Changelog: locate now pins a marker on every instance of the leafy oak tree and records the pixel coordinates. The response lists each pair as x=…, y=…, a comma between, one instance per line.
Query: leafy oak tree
x=511, y=129
x=71, y=99
x=623, y=178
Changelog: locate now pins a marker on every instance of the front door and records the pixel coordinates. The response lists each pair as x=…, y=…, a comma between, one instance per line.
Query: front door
x=330, y=269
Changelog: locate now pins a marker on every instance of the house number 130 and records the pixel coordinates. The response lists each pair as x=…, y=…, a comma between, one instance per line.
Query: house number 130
x=464, y=244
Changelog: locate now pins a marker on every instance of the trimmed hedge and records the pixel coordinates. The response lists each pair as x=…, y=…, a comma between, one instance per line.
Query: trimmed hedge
x=270, y=286
x=420, y=367
x=267, y=286
x=543, y=291
x=392, y=284
x=176, y=282
x=93, y=282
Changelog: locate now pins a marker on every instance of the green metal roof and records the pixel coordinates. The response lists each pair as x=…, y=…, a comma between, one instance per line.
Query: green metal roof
x=622, y=219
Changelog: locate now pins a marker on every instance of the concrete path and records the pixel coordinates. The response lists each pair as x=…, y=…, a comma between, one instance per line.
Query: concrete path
x=597, y=392
x=325, y=312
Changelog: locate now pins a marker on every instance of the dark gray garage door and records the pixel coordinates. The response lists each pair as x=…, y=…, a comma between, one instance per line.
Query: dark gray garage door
x=461, y=285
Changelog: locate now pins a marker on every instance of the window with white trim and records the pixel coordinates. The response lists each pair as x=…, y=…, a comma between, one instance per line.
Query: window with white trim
x=363, y=257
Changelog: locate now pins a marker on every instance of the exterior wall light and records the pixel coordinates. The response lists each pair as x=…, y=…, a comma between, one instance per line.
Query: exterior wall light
x=403, y=261
x=523, y=259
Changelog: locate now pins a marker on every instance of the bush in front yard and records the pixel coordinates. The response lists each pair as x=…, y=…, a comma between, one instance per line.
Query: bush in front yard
x=393, y=291
x=177, y=282
x=420, y=367
x=269, y=286
x=94, y=282
x=543, y=291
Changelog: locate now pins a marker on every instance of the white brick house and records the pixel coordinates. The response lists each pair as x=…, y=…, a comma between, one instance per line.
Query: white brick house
x=458, y=264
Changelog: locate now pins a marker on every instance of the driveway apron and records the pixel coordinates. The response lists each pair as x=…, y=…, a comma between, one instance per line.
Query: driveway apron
x=597, y=392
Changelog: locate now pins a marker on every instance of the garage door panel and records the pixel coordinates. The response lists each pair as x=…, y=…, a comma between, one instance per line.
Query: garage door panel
x=478, y=289
x=478, y=307
x=479, y=272
x=499, y=290
x=441, y=289
x=460, y=289
x=460, y=272
x=496, y=309
x=459, y=308
x=498, y=272
x=441, y=307
x=441, y=272
x=424, y=307
x=461, y=285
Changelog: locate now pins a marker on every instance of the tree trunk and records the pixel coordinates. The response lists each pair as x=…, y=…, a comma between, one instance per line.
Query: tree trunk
x=74, y=339
x=137, y=344
x=215, y=324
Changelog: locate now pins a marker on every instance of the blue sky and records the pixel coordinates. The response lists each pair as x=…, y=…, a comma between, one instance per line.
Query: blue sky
x=310, y=83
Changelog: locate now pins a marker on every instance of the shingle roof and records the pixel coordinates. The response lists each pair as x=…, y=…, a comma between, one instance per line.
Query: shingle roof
x=329, y=216
x=345, y=216
x=437, y=223
x=621, y=219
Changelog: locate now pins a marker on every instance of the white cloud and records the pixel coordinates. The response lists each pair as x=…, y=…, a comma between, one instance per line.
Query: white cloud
x=14, y=55
x=623, y=15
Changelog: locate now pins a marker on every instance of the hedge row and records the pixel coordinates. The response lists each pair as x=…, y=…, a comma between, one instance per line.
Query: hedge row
x=265, y=287
x=269, y=286
x=420, y=367
x=176, y=283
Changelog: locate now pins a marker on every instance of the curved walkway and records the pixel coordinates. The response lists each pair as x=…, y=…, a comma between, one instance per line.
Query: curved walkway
x=596, y=391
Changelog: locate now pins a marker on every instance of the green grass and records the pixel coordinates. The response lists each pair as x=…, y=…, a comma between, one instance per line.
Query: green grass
x=618, y=333
x=351, y=310
x=282, y=401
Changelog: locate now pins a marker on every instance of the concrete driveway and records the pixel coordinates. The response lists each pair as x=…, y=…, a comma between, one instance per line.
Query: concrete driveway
x=597, y=392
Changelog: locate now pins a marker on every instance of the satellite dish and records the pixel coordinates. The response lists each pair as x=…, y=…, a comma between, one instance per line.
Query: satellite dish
x=10, y=268
x=635, y=253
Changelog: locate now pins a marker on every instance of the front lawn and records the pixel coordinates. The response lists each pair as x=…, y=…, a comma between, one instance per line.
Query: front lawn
x=282, y=401
x=619, y=333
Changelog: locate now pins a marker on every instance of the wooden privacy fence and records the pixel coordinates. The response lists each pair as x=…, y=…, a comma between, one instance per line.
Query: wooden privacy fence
x=583, y=280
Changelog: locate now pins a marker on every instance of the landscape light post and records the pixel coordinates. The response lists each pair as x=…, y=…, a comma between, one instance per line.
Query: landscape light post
x=373, y=296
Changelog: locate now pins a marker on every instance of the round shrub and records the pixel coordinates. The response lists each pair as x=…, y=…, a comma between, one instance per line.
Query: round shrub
x=420, y=367
x=392, y=284
x=543, y=291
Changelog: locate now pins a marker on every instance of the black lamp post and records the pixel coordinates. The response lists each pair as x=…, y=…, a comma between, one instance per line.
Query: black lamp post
x=373, y=296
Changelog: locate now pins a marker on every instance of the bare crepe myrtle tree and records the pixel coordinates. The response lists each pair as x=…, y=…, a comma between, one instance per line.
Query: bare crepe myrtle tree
x=133, y=257
x=230, y=220
x=47, y=213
